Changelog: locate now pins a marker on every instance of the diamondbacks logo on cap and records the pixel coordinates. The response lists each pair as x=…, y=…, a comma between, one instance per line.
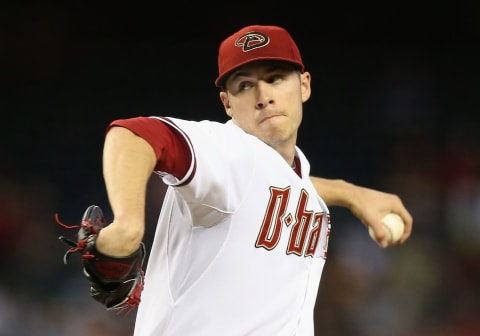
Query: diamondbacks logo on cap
x=252, y=40
x=255, y=43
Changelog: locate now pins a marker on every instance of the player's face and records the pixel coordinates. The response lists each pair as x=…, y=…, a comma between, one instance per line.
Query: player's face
x=265, y=99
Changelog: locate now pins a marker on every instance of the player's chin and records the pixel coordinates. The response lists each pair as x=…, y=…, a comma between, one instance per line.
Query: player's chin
x=275, y=135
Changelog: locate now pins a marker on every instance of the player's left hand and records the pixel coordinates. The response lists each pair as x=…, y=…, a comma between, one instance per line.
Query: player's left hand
x=370, y=206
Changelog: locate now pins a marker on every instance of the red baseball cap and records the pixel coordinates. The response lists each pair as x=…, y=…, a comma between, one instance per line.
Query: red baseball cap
x=254, y=43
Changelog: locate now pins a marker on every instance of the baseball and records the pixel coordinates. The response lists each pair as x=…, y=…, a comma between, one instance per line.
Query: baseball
x=394, y=227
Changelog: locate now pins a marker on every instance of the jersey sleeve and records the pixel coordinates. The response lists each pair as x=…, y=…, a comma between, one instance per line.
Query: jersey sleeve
x=171, y=148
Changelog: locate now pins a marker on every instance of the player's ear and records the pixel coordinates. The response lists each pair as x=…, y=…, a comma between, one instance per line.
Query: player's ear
x=305, y=79
x=226, y=103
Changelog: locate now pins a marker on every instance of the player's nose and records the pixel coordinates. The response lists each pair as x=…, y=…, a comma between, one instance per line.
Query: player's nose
x=264, y=96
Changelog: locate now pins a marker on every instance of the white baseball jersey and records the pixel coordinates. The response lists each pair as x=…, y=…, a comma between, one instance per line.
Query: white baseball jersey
x=241, y=241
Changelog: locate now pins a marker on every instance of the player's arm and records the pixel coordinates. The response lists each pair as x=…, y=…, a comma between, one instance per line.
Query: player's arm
x=128, y=162
x=113, y=255
x=133, y=149
x=368, y=205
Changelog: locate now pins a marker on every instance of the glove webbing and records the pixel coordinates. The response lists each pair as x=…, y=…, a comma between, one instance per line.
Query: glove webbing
x=88, y=226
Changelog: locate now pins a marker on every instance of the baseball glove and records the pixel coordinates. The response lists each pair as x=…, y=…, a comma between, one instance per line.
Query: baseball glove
x=116, y=282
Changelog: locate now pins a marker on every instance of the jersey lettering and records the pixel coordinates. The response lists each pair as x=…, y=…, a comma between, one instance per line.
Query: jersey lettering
x=272, y=223
x=305, y=229
x=314, y=236
x=300, y=228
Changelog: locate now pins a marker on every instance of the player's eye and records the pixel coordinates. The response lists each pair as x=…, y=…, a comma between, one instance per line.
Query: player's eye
x=244, y=85
x=275, y=78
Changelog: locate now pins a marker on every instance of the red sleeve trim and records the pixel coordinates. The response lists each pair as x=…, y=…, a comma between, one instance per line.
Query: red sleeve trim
x=171, y=148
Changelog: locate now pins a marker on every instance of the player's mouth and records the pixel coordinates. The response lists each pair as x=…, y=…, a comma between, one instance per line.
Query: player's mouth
x=269, y=117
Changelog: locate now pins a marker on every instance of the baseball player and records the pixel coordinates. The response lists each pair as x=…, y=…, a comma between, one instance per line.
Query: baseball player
x=242, y=237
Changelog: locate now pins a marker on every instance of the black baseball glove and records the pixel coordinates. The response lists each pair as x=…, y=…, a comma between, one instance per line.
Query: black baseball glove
x=116, y=282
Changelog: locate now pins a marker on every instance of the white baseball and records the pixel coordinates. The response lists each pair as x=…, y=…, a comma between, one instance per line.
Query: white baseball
x=394, y=227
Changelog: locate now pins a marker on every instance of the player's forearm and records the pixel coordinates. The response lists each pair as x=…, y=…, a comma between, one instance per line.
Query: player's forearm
x=368, y=205
x=128, y=162
x=334, y=192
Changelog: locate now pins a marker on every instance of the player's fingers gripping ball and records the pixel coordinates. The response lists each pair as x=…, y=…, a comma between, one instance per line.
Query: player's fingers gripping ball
x=394, y=228
x=116, y=282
